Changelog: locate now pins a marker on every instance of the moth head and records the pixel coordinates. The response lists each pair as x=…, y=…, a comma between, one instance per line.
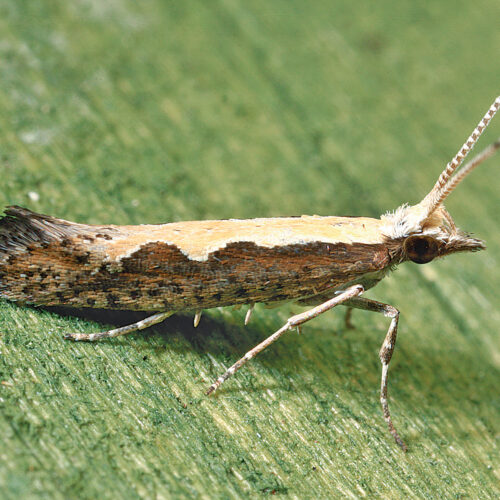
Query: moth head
x=423, y=239
x=427, y=230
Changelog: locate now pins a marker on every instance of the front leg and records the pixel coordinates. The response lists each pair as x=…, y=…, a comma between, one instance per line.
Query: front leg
x=385, y=352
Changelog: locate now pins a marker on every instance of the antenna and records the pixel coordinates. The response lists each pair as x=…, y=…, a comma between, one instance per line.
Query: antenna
x=446, y=183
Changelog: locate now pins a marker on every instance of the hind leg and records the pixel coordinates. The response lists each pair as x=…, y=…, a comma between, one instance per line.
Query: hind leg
x=140, y=325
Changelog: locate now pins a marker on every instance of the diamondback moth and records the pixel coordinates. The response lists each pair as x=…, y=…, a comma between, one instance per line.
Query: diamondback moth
x=190, y=266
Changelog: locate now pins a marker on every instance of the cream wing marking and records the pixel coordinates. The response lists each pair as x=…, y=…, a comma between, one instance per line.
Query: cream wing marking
x=198, y=239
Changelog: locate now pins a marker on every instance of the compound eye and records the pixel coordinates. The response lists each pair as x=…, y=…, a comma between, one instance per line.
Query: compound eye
x=421, y=249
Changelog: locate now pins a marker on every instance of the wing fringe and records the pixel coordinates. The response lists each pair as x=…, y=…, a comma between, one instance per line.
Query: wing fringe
x=20, y=228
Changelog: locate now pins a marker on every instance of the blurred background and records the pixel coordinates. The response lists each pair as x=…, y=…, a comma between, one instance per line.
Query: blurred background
x=148, y=112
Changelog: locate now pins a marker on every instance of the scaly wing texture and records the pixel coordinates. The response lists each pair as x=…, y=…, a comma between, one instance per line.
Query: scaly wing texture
x=182, y=266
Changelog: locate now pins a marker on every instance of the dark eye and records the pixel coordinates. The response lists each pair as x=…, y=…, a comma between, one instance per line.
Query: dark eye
x=421, y=249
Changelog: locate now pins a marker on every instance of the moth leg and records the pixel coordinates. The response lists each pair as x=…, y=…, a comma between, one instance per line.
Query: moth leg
x=248, y=315
x=348, y=319
x=291, y=323
x=385, y=353
x=140, y=325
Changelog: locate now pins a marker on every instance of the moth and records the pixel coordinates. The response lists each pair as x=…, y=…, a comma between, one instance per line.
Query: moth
x=319, y=262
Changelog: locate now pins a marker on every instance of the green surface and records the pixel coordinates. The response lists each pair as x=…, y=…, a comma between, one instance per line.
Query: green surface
x=133, y=112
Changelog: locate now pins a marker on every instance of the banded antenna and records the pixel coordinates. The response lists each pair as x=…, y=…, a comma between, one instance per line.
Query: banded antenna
x=447, y=182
